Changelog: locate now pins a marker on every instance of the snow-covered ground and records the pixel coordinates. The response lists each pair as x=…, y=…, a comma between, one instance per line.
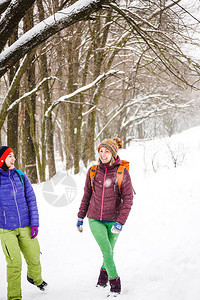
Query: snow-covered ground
x=158, y=251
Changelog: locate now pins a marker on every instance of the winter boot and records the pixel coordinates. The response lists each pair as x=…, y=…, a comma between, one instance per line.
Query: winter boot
x=42, y=286
x=115, y=287
x=103, y=278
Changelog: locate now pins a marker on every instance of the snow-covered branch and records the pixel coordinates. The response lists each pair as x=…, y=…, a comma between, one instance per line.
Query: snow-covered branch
x=14, y=12
x=140, y=117
x=80, y=10
x=158, y=50
x=158, y=110
x=89, y=111
x=65, y=99
x=16, y=78
x=28, y=94
x=129, y=104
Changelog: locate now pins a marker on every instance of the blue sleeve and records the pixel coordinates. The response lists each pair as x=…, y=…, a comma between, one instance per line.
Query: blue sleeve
x=31, y=201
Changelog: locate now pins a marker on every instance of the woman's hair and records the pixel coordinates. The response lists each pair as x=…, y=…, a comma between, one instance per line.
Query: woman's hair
x=4, y=166
x=110, y=163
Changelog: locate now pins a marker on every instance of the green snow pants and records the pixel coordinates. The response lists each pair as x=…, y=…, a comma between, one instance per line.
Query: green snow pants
x=106, y=241
x=13, y=241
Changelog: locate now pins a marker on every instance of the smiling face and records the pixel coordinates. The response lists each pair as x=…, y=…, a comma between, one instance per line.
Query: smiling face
x=105, y=155
x=10, y=161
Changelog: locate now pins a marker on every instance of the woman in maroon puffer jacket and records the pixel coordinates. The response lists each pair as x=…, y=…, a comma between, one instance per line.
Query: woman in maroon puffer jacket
x=106, y=209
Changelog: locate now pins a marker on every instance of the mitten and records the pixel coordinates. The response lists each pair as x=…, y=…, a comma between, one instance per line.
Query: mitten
x=117, y=228
x=34, y=232
x=80, y=224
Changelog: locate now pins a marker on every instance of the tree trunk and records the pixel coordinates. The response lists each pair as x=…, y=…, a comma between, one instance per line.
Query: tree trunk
x=30, y=111
x=48, y=127
x=12, y=120
x=99, y=38
x=73, y=110
x=67, y=139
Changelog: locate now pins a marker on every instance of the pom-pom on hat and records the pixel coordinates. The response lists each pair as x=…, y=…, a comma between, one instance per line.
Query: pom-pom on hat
x=112, y=145
x=4, y=152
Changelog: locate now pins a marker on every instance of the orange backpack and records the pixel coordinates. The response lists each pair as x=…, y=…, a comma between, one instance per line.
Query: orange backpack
x=119, y=175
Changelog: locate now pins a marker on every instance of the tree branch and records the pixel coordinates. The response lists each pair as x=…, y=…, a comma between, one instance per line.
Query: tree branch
x=148, y=114
x=28, y=94
x=10, y=19
x=3, y=5
x=45, y=29
x=152, y=43
x=119, y=112
x=65, y=99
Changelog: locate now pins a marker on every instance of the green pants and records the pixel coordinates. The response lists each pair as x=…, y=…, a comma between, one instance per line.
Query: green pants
x=106, y=241
x=14, y=241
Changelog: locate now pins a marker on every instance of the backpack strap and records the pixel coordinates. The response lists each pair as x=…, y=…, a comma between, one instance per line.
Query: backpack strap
x=120, y=174
x=21, y=177
x=120, y=177
x=93, y=171
x=125, y=163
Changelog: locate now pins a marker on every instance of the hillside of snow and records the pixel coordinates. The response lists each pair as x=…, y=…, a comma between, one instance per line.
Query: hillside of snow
x=158, y=252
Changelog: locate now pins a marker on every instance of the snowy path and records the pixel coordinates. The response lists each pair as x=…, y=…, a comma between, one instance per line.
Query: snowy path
x=157, y=254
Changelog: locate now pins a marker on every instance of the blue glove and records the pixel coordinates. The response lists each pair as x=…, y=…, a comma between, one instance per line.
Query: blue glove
x=117, y=228
x=80, y=224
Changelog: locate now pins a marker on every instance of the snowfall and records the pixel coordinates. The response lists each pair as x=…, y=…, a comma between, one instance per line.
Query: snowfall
x=158, y=251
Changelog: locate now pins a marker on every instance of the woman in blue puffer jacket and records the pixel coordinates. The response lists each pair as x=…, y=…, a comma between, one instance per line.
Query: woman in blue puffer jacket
x=19, y=221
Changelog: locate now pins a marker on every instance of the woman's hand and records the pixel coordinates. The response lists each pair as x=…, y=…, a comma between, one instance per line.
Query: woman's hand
x=117, y=228
x=80, y=224
x=34, y=232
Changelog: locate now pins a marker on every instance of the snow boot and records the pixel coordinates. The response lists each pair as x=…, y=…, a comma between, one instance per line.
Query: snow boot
x=42, y=286
x=115, y=287
x=103, y=278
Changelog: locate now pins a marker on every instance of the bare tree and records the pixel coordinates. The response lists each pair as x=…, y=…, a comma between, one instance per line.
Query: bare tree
x=142, y=41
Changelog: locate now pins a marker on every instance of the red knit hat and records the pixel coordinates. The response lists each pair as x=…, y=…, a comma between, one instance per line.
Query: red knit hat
x=4, y=152
x=112, y=145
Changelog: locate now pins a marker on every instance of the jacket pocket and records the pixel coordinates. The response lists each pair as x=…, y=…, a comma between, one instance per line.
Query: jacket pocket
x=7, y=251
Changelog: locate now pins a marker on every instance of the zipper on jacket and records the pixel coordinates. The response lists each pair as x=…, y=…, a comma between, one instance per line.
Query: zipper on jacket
x=14, y=193
x=4, y=214
x=104, y=179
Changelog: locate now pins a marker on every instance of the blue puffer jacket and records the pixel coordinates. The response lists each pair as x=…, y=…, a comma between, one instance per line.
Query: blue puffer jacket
x=18, y=206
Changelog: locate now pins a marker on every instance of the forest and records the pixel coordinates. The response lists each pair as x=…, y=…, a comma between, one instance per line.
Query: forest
x=75, y=72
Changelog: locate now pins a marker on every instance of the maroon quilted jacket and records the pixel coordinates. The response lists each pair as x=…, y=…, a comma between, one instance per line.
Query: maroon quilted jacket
x=104, y=202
